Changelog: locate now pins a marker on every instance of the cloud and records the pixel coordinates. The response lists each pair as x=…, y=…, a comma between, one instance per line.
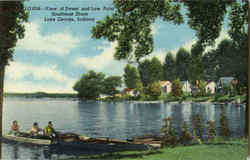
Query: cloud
x=104, y=62
x=17, y=73
x=56, y=43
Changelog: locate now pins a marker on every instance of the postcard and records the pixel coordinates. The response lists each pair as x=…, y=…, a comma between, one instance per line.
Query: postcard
x=124, y=79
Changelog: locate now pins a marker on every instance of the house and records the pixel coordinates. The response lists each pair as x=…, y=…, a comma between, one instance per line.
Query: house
x=103, y=96
x=186, y=86
x=118, y=95
x=225, y=82
x=129, y=91
x=166, y=87
x=211, y=87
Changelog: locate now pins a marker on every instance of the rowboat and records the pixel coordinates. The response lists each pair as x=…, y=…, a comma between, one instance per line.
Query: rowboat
x=27, y=140
x=81, y=143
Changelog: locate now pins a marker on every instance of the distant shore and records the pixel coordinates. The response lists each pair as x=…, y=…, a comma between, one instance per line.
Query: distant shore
x=41, y=95
x=222, y=100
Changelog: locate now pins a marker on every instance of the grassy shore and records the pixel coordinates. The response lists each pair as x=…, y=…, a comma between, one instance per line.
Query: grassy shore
x=219, y=150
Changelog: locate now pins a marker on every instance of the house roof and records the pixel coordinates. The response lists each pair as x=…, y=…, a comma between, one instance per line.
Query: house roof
x=127, y=89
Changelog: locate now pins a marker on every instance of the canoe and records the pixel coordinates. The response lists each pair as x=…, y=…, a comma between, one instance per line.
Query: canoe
x=27, y=140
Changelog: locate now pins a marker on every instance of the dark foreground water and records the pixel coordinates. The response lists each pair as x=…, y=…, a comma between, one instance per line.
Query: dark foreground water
x=106, y=119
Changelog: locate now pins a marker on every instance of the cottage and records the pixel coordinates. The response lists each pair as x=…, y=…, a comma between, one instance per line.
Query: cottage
x=225, y=82
x=103, y=96
x=129, y=91
x=186, y=86
x=166, y=87
x=211, y=87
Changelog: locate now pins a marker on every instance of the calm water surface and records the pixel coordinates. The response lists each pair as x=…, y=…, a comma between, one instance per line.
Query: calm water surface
x=106, y=119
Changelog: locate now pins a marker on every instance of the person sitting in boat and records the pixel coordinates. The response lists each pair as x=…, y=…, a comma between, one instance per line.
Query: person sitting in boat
x=34, y=131
x=14, y=128
x=49, y=130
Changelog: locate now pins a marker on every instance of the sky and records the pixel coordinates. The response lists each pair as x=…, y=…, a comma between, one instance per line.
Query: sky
x=54, y=55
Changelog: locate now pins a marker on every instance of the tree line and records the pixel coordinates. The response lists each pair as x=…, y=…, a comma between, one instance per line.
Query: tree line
x=143, y=78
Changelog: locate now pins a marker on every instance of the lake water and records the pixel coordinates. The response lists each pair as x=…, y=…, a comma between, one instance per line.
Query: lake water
x=106, y=119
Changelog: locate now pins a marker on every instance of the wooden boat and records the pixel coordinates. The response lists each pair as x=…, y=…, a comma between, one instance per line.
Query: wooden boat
x=27, y=140
x=81, y=143
x=97, y=144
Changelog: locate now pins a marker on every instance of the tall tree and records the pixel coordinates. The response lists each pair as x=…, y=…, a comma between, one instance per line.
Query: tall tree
x=156, y=70
x=196, y=67
x=111, y=84
x=183, y=60
x=169, y=68
x=12, y=16
x=144, y=71
x=131, y=76
x=150, y=71
x=90, y=86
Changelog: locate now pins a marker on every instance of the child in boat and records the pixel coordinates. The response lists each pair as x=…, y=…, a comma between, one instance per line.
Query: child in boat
x=34, y=131
x=14, y=128
x=49, y=130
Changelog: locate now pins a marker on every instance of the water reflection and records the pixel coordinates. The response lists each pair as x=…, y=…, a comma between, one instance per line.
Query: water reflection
x=107, y=119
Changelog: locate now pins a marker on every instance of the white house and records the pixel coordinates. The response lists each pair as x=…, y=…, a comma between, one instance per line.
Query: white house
x=129, y=91
x=225, y=81
x=211, y=86
x=103, y=96
x=166, y=87
x=186, y=86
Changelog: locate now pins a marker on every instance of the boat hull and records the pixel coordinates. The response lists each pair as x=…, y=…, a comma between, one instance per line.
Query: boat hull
x=100, y=147
x=27, y=140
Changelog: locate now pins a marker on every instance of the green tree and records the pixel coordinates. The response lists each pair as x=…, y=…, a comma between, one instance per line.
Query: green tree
x=111, y=84
x=196, y=68
x=183, y=60
x=144, y=71
x=131, y=76
x=90, y=86
x=169, y=68
x=150, y=71
x=156, y=69
x=153, y=90
x=206, y=18
x=12, y=16
x=202, y=88
x=130, y=25
x=139, y=90
x=177, y=88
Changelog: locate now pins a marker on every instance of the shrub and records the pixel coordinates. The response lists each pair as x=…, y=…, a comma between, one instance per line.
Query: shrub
x=186, y=136
x=211, y=130
x=177, y=88
x=169, y=138
x=197, y=126
x=153, y=90
x=202, y=88
x=224, y=128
